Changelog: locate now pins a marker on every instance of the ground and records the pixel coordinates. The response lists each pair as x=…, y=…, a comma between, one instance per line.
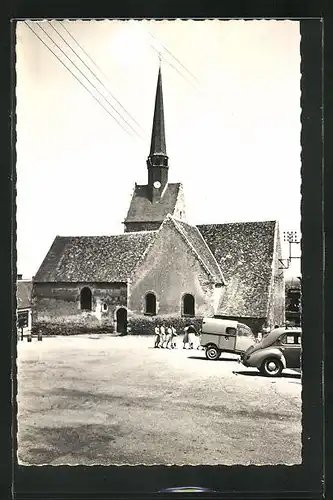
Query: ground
x=116, y=400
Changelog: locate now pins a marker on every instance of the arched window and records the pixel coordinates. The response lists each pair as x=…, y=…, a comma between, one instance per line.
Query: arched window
x=188, y=305
x=150, y=304
x=85, y=299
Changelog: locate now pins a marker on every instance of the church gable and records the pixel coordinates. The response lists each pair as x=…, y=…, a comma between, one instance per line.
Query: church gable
x=199, y=245
x=245, y=254
x=94, y=258
x=172, y=267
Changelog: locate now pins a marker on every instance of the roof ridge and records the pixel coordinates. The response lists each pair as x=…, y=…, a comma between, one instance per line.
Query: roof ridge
x=108, y=235
x=239, y=222
x=145, y=231
x=207, y=247
x=181, y=231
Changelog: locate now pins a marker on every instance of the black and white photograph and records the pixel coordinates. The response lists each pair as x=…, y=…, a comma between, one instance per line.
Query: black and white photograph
x=158, y=212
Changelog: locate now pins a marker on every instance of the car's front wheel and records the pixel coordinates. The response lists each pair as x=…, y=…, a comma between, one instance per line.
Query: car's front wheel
x=212, y=353
x=271, y=367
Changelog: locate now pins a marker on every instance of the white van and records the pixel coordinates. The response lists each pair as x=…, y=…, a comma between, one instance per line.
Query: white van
x=223, y=335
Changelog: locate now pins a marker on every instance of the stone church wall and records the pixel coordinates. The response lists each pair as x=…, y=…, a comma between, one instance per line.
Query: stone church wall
x=56, y=307
x=169, y=270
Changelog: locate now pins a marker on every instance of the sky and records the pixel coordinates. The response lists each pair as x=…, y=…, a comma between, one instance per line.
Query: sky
x=232, y=117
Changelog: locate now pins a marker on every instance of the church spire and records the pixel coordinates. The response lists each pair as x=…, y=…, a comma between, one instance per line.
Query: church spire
x=157, y=161
x=157, y=146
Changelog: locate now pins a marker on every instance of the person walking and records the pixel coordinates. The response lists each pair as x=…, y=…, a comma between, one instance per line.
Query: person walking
x=198, y=339
x=174, y=334
x=191, y=335
x=168, y=340
x=171, y=333
x=185, y=338
x=157, y=337
x=162, y=335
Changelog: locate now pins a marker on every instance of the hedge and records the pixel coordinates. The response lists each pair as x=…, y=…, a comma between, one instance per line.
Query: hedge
x=49, y=329
x=145, y=325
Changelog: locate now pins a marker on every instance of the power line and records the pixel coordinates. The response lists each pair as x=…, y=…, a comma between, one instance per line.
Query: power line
x=99, y=69
x=174, y=57
x=73, y=74
x=55, y=43
x=176, y=69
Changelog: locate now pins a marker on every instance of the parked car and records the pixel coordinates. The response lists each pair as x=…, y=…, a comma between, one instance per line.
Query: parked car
x=222, y=335
x=278, y=350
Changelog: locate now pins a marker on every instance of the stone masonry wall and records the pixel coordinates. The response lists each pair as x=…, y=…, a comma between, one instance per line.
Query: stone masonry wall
x=169, y=270
x=56, y=307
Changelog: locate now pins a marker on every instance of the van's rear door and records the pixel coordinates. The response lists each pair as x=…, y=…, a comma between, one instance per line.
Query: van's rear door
x=219, y=332
x=245, y=338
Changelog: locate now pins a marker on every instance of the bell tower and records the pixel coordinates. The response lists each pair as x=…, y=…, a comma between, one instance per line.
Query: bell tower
x=152, y=202
x=157, y=161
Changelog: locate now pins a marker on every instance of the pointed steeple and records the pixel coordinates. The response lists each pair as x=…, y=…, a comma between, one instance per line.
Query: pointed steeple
x=158, y=146
x=157, y=161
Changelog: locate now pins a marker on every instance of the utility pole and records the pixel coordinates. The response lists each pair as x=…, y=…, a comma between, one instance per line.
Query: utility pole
x=290, y=237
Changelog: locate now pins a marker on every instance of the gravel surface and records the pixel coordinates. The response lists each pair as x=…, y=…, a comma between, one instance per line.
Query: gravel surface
x=116, y=400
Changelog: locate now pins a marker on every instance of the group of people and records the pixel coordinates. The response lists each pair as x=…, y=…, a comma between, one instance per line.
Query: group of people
x=165, y=337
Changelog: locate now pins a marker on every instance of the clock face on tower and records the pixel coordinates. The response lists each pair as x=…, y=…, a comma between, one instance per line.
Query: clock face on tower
x=157, y=184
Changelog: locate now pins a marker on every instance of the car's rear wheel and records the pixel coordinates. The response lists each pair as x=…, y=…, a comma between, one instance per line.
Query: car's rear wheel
x=271, y=367
x=212, y=352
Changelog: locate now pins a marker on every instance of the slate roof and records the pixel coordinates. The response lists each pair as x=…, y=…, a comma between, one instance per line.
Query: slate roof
x=94, y=258
x=244, y=252
x=143, y=210
x=196, y=240
x=23, y=294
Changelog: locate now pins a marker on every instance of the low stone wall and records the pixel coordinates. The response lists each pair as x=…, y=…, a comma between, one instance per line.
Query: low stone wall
x=56, y=308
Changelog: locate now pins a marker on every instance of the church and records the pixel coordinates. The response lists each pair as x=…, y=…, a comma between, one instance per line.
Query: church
x=161, y=269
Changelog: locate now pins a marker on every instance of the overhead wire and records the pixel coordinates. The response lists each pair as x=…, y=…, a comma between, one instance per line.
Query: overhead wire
x=99, y=69
x=174, y=57
x=181, y=73
x=175, y=68
x=89, y=80
x=78, y=79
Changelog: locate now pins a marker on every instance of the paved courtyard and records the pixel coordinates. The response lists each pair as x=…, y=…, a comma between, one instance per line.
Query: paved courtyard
x=116, y=400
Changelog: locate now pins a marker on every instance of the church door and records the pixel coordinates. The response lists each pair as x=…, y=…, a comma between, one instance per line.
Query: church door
x=121, y=318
